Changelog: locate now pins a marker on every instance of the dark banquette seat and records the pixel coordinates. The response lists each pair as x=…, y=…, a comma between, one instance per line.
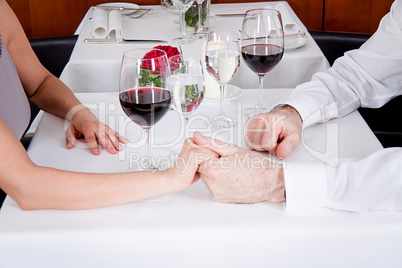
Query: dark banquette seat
x=385, y=122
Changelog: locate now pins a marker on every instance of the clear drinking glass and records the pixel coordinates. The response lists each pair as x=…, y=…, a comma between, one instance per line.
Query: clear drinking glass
x=262, y=46
x=143, y=94
x=222, y=58
x=183, y=6
x=186, y=82
x=201, y=30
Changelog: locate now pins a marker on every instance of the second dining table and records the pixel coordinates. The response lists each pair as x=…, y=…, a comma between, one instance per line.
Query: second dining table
x=94, y=67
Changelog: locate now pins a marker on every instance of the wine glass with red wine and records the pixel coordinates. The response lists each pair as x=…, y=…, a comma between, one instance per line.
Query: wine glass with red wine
x=142, y=92
x=262, y=45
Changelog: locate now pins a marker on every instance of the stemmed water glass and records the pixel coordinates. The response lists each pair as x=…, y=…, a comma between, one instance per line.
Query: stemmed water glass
x=183, y=6
x=222, y=58
x=262, y=45
x=201, y=30
x=186, y=83
x=142, y=92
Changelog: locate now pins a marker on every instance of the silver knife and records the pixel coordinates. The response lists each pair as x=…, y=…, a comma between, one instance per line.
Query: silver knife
x=122, y=40
x=120, y=8
x=229, y=14
x=144, y=40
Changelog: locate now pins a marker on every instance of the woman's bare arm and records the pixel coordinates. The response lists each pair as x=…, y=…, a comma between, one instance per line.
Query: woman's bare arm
x=48, y=92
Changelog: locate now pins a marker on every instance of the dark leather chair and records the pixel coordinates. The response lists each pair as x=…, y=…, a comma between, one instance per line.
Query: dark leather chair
x=384, y=121
x=53, y=53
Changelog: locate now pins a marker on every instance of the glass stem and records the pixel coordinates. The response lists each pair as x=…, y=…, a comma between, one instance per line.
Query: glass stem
x=147, y=151
x=222, y=95
x=260, y=86
x=200, y=28
x=182, y=23
x=185, y=122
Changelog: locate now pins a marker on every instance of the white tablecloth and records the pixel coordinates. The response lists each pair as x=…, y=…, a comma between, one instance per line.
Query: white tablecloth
x=190, y=229
x=95, y=67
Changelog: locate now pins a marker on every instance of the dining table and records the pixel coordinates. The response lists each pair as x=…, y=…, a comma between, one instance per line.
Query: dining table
x=95, y=66
x=190, y=228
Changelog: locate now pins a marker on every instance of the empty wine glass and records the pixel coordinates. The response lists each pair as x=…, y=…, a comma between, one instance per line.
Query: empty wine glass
x=262, y=45
x=183, y=6
x=142, y=92
x=222, y=58
x=201, y=30
x=186, y=83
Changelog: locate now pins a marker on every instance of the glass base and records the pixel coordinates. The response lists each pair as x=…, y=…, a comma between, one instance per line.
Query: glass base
x=223, y=121
x=250, y=112
x=187, y=39
x=201, y=35
x=148, y=164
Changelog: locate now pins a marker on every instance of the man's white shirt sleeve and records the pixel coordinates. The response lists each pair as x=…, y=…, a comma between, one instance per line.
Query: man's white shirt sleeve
x=371, y=183
x=367, y=77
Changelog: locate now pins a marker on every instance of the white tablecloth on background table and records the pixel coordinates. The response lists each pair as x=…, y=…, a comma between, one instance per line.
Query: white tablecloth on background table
x=95, y=67
x=190, y=229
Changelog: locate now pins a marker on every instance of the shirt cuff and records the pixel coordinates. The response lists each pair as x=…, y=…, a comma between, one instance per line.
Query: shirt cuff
x=311, y=102
x=306, y=185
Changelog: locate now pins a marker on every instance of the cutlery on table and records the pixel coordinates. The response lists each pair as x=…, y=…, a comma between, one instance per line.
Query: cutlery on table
x=122, y=40
x=136, y=15
x=120, y=8
x=131, y=16
x=229, y=14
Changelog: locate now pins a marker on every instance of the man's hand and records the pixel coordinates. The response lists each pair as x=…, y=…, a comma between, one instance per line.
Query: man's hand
x=278, y=132
x=184, y=171
x=84, y=123
x=239, y=176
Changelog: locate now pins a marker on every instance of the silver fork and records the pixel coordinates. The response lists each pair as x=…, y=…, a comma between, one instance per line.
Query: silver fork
x=136, y=15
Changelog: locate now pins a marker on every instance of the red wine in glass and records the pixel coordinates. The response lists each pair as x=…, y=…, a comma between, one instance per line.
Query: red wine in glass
x=262, y=46
x=143, y=95
x=261, y=58
x=145, y=106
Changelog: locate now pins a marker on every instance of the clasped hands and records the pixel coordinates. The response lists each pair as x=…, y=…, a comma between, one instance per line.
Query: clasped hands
x=244, y=176
x=232, y=174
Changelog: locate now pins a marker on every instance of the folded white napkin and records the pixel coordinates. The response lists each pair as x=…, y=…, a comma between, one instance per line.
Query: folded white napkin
x=106, y=25
x=115, y=25
x=290, y=25
x=99, y=24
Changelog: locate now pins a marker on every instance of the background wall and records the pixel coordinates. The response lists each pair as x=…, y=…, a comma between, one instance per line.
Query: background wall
x=62, y=17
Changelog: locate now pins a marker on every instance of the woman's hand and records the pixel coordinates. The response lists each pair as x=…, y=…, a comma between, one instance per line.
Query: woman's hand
x=184, y=170
x=84, y=123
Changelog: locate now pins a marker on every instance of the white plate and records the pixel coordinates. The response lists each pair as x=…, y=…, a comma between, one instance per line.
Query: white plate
x=296, y=41
x=233, y=92
x=122, y=4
